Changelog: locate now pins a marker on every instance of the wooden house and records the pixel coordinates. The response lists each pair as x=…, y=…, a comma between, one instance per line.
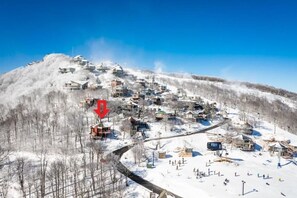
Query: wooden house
x=186, y=152
x=120, y=91
x=76, y=85
x=189, y=115
x=99, y=131
x=162, y=154
x=243, y=142
x=283, y=149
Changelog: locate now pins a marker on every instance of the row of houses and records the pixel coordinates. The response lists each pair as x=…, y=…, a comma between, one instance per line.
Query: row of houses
x=81, y=85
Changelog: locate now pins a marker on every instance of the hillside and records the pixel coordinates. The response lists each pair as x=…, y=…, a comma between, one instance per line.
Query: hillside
x=44, y=76
x=58, y=147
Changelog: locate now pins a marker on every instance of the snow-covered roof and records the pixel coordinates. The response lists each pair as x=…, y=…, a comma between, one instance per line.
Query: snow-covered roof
x=276, y=145
x=79, y=82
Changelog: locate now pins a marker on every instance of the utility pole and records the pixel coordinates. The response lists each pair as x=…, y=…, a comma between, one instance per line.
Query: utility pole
x=243, y=182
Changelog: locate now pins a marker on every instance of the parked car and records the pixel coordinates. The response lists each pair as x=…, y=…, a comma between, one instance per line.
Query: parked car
x=214, y=146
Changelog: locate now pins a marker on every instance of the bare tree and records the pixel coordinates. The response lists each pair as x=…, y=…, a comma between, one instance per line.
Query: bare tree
x=42, y=172
x=4, y=153
x=20, y=169
x=126, y=127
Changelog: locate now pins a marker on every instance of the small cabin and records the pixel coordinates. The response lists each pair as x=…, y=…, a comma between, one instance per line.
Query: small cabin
x=214, y=146
x=162, y=154
x=160, y=115
x=99, y=131
x=243, y=142
x=283, y=149
x=189, y=115
x=186, y=152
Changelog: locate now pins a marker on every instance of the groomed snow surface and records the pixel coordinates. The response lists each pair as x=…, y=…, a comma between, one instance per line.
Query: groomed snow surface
x=246, y=166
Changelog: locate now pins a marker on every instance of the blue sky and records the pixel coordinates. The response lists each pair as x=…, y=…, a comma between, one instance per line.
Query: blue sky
x=248, y=40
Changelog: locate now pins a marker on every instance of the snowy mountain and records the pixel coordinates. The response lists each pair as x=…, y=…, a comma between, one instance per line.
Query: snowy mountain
x=48, y=126
x=46, y=75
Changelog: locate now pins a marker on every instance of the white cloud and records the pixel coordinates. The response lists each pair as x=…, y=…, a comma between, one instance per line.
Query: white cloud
x=104, y=49
x=159, y=66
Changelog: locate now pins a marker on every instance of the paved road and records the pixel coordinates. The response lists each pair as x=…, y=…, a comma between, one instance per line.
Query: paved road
x=125, y=171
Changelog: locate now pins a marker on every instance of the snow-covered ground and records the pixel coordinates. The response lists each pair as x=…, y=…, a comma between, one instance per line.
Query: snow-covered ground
x=247, y=166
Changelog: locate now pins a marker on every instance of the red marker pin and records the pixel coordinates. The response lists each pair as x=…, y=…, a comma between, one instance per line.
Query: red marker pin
x=102, y=109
